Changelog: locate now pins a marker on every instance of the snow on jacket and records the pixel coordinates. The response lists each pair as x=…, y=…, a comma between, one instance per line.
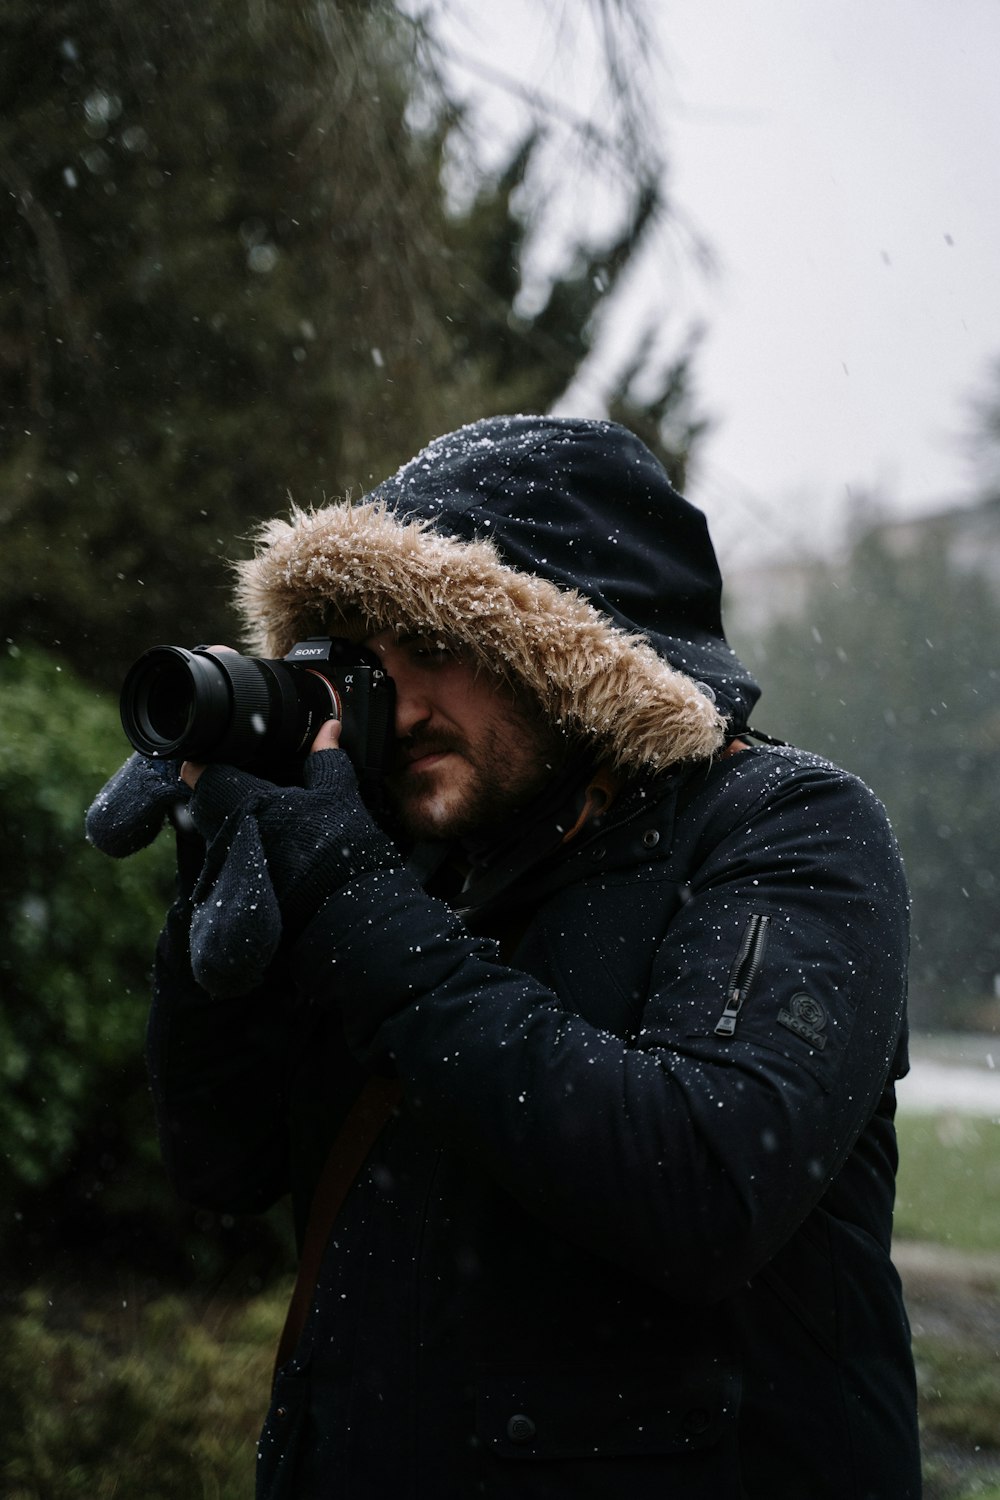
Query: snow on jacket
x=629, y=1232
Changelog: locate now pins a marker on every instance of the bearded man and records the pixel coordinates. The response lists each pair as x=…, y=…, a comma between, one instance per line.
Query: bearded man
x=578, y=1060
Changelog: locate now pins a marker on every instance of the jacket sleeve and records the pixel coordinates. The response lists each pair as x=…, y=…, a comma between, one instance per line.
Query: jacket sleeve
x=690, y=1152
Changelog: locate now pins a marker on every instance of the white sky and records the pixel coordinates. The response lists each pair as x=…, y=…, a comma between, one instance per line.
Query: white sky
x=841, y=160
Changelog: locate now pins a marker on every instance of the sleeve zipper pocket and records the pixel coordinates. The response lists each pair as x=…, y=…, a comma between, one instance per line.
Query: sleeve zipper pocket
x=744, y=972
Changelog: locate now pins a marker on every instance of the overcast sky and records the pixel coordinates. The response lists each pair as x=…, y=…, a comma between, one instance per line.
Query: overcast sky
x=841, y=159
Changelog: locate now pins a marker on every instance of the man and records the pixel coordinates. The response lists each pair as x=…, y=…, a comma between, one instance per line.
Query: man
x=635, y=984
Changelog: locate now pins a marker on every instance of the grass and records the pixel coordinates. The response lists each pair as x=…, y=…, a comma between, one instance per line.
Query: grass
x=960, y=1393
x=948, y=1189
x=938, y=1485
x=949, y=1194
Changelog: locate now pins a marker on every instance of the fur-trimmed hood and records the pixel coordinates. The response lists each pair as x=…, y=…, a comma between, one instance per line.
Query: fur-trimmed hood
x=557, y=551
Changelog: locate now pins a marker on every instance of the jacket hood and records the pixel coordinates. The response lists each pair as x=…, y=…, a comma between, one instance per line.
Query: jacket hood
x=555, y=550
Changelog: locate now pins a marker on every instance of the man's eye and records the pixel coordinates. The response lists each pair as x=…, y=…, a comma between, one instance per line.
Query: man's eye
x=432, y=650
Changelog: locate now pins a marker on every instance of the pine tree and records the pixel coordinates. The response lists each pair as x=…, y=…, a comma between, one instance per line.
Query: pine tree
x=231, y=274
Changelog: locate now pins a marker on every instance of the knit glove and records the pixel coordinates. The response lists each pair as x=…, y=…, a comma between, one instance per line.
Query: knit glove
x=129, y=810
x=274, y=855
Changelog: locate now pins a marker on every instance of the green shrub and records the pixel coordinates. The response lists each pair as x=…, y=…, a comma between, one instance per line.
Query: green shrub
x=79, y=1165
x=79, y=931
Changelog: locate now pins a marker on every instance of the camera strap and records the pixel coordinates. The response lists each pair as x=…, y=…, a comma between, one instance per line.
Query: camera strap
x=366, y=1119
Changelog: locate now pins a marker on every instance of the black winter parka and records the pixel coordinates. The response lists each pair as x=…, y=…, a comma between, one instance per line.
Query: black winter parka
x=628, y=1233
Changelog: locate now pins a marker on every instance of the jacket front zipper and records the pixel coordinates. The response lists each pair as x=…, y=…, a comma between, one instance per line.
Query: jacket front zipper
x=744, y=972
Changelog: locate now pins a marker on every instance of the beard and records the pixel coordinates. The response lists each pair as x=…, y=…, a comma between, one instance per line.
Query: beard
x=482, y=779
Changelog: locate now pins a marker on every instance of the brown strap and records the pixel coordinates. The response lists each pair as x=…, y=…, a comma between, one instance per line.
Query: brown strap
x=365, y=1121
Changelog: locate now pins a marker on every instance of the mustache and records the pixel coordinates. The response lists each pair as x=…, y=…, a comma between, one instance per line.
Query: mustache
x=422, y=742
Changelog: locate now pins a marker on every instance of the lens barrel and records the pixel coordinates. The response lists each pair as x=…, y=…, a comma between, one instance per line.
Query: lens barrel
x=209, y=706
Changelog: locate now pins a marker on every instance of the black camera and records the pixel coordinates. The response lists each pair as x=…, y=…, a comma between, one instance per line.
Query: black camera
x=247, y=711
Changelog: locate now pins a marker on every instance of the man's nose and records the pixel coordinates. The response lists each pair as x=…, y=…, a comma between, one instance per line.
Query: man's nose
x=413, y=708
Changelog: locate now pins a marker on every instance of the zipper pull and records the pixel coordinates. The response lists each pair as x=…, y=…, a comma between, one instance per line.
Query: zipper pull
x=726, y=1024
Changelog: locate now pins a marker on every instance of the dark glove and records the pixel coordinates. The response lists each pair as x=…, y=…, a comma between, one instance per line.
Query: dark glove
x=274, y=855
x=129, y=810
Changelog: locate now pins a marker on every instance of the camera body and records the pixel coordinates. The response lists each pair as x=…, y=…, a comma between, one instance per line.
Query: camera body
x=250, y=711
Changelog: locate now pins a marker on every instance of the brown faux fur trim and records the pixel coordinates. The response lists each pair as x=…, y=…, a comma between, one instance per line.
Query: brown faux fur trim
x=354, y=569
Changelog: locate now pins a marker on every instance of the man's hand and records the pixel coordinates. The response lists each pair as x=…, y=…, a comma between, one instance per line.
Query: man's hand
x=275, y=853
x=129, y=810
x=328, y=738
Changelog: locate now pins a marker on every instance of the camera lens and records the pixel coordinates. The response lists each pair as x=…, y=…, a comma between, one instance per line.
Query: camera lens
x=165, y=701
x=168, y=703
x=199, y=705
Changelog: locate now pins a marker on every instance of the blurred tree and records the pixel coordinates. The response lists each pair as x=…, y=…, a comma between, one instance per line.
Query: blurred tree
x=248, y=251
x=982, y=440
x=663, y=419
x=891, y=667
x=233, y=271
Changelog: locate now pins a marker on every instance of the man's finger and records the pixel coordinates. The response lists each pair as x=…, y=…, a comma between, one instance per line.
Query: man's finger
x=328, y=737
x=190, y=771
